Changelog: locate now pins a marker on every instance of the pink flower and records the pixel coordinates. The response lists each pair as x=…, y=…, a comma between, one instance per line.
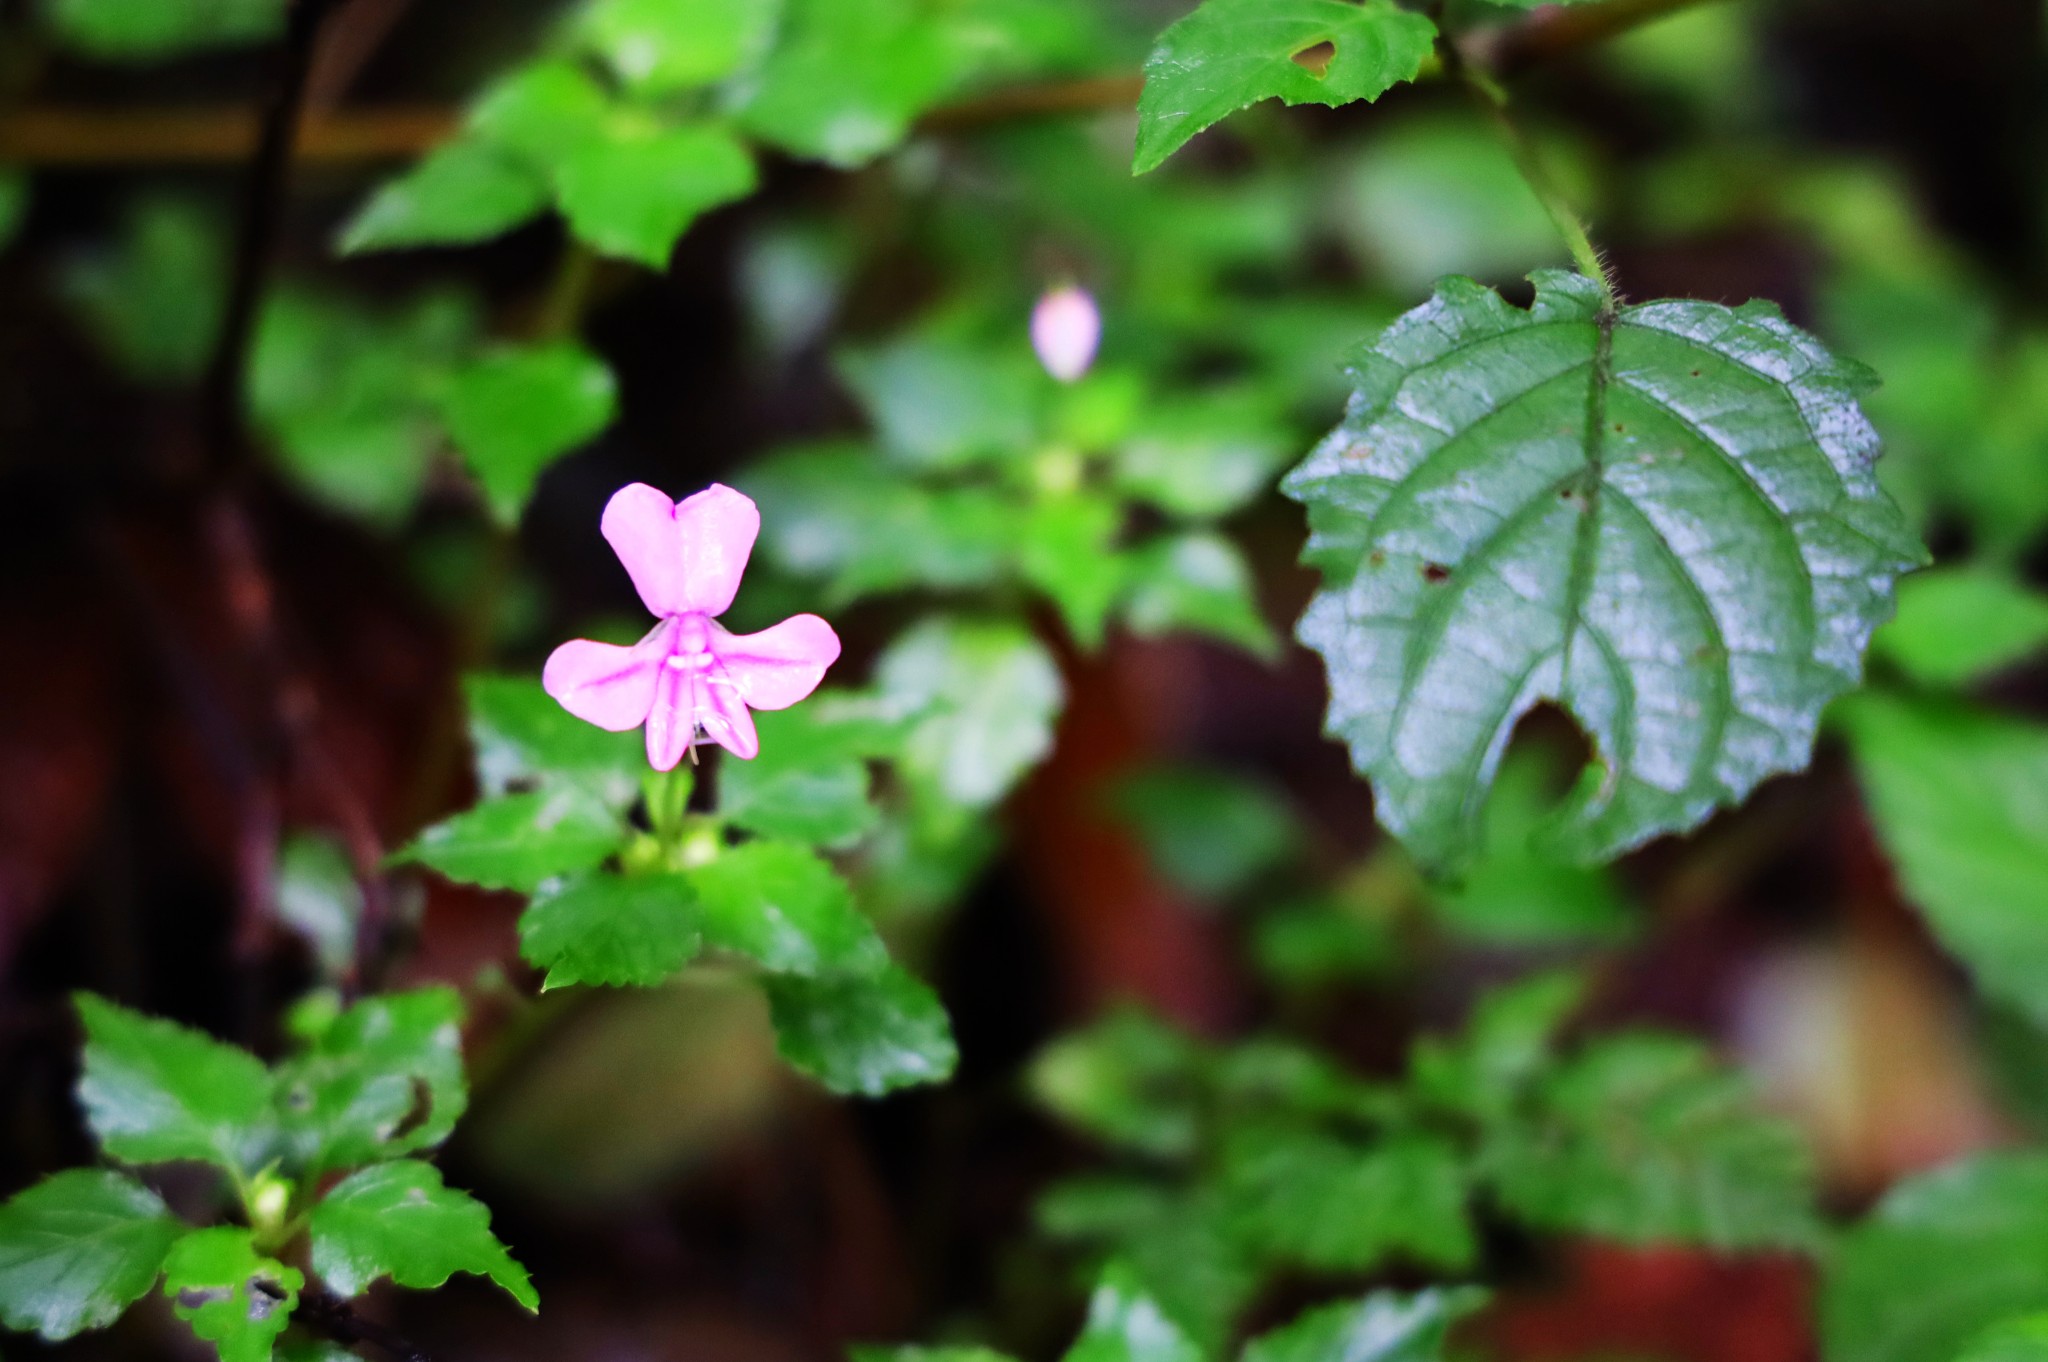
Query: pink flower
x=1065, y=329
x=688, y=675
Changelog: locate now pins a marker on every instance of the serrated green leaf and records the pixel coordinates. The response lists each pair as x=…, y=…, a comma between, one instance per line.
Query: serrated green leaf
x=520, y=733
x=1960, y=798
x=661, y=47
x=466, y=191
x=1333, y=1207
x=979, y=698
x=148, y=30
x=636, y=188
x=786, y=909
x=2015, y=1340
x=515, y=412
x=78, y=1248
x=1211, y=832
x=520, y=841
x=1666, y=521
x=156, y=1092
x=399, y=1220
x=844, y=81
x=612, y=929
x=1644, y=1138
x=383, y=1078
x=864, y=1033
x=1065, y=550
x=1229, y=54
x=1126, y=1325
x=1384, y=1327
x=233, y=1297
x=1944, y=1256
x=1200, y=583
x=1130, y=1080
x=810, y=783
x=1956, y=625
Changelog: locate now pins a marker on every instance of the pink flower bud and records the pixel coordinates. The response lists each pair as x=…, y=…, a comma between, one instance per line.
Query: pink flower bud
x=1065, y=329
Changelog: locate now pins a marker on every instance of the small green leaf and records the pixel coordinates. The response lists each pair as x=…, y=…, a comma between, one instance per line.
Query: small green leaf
x=785, y=909
x=1200, y=583
x=383, y=1078
x=634, y=191
x=1945, y=1256
x=149, y=30
x=1212, y=832
x=1130, y=1080
x=542, y=113
x=155, y=1092
x=520, y=733
x=938, y=401
x=319, y=898
x=1508, y=1042
x=662, y=47
x=865, y=1034
x=1066, y=552
x=399, y=1220
x=1203, y=455
x=1126, y=1325
x=78, y=1248
x=1960, y=798
x=1643, y=1138
x=611, y=929
x=515, y=412
x=1956, y=625
x=2016, y=1340
x=153, y=299
x=520, y=841
x=1232, y=53
x=1666, y=520
x=980, y=698
x=233, y=1297
x=466, y=191
x=845, y=80
x=1384, y=1327
x=1183, y=1247
x=1333, y=1207
x=810, y=783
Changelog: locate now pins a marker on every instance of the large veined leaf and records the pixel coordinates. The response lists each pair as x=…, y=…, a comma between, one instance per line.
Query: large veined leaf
x=1664, y=518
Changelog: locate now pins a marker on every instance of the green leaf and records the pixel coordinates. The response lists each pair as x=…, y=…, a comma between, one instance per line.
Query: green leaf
x=515, y=412
x=1943, y=1257
x=979, y=698
x=233, y=1297
x=633, y=191
x=1127, y=1325
x=149, y=30
x=1509, y=1040
x=382, y=1079
x=1232, y=53
x=785, y=909
x=1066, y=552
x=938, y=401
x=1182, y=1246
x=1200, y=583
x=520, y=733
x=1130, y=1080
x=845, y=80
x=1211, y=832
x=1205, y=454
x=153, y=299
x=319, y=898
x=611, y=929
x=1333, y=1207
x=542, y=113
x=466, y=191
x=520, y=841
x=661, y=47
x=155, y=1092
x=13, y=203
x=1386, y=1326
x=1644, y=1138
x=810, y=783
x=398, y=1220
x=2016, y=1340
x=78, y=1248
x=1956, y=625
x=1667, y=522
x=1960, y=799
x=921, y=1354
x=864, y=1034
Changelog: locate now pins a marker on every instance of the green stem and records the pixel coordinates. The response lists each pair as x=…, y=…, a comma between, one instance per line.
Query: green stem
x=1529, y=161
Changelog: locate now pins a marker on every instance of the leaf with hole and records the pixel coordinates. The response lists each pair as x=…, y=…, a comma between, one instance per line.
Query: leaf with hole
x=1664, y=519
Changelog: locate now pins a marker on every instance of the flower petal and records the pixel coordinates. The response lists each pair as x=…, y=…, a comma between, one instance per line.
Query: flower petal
x=778, y=666
x=723, y=714
x=602, y=683
x=672, y=718
x=687, y=556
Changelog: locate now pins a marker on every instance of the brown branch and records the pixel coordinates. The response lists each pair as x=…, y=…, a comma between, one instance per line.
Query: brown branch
x=57, y=136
